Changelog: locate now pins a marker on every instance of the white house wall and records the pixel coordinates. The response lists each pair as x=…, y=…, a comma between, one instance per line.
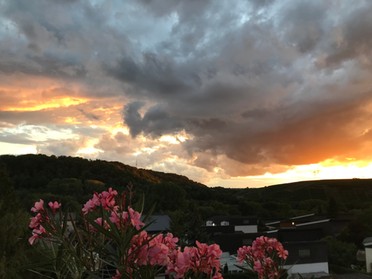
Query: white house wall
x=307, y=268
x=369, y=259
x=246, y=229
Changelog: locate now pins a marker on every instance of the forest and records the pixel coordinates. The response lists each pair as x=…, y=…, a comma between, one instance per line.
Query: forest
x=71, y=181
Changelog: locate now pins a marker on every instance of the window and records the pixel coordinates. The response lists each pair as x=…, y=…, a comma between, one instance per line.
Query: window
x=209, y=223
x=304, y=253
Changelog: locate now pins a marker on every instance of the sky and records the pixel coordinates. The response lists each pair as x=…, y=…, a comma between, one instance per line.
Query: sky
x=228, y=93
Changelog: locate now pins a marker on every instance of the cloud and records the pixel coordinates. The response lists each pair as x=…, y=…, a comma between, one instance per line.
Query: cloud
x=156, y=121
x=59, y=148
x=258, y=86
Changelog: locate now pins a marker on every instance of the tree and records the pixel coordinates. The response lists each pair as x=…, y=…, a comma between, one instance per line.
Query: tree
x=14, y=250
x=340, y=253
x=359, y=228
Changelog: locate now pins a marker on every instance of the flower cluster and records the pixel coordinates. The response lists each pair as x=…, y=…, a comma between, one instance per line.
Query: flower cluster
x=106, y=199
x=111, y=233
x=266, y=256
x=41, y=218
x=110, y=237
x=153, y=250
x=196, y=261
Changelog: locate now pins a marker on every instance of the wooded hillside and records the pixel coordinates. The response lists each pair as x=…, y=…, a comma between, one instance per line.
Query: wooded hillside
x=72, y=180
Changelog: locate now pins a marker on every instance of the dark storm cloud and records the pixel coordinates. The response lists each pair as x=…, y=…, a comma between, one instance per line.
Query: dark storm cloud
x=303, y=23
x=256, y=84
x=60, y=40
x=259, y=82
x=355, y=37
x=154, y=74
x=155, y=122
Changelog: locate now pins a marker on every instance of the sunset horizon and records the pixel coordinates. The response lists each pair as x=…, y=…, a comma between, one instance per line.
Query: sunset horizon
x=250, y=95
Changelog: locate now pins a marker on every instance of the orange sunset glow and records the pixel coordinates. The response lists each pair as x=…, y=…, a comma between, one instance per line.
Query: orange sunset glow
x=266, y=93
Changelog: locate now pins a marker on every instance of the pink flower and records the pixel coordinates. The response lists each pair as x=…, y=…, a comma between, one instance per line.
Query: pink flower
x=160, y=247
x=214, y=250
x=107, y=199
x=91, y=204
x=35, y=221
x=266, y=256
x=54, y=206
x=33, y=238
x=208, y=258
x=158, y=254
x=283, y=254
x=243, y=252
x=135, y=218
x=102, y=223
x=202, y=259
x=170, y=241
x=119, y=218
x=258, y=267
x=139, y=248
x=36, y=234
x=38, y=207
x=180, y=263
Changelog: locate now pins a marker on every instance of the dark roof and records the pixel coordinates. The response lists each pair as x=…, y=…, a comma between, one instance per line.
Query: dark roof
x=297, y=219
x=158, y=223
x=367, y=242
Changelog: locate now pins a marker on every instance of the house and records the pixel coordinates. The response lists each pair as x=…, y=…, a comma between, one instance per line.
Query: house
x=302, y=237
x=307, y=253
x=306, y=257
x=158, y=224
x=367, y=243
x=231, y=242
x=242, y=224
x=231, y=232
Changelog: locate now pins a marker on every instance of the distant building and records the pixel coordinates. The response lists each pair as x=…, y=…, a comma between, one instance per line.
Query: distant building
x=158, y=224
x=367, y=242
x=232, y=232
x=242, y=224
x=329, y=226
x=307, y=253
x=301, y=236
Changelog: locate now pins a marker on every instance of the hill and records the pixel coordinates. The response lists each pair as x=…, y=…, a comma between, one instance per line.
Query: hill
x=72, y=180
